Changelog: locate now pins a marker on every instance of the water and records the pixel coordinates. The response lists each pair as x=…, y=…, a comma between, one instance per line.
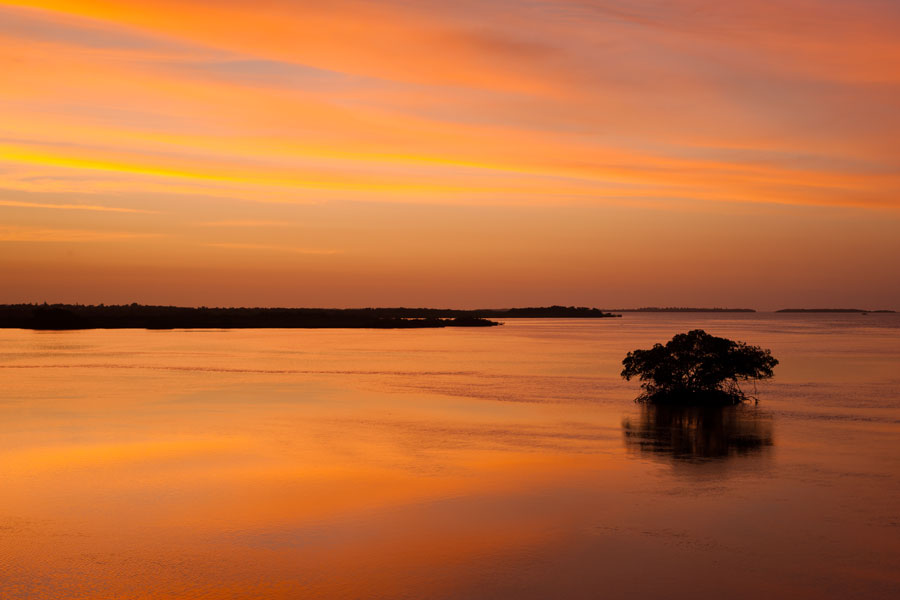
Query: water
x=462, y=463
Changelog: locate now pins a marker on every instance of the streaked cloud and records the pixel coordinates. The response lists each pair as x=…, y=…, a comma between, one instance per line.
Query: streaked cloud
x=272, y=248
x=180, y=110
x=243, y=223
x=90, y=207
x=41, y=234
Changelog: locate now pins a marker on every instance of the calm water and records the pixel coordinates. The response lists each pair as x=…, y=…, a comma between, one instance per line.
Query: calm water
x=459, y=463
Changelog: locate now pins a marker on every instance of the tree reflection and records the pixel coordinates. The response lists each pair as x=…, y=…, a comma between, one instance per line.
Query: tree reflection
x=698, y=432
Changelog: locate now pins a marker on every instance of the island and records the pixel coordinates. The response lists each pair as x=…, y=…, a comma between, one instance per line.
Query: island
x=683, y=309
x=832, y=310
x=696, y=368
x=138, y=316
x=536, y=312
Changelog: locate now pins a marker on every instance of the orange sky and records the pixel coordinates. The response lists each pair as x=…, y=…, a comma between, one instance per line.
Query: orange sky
x=466, y=153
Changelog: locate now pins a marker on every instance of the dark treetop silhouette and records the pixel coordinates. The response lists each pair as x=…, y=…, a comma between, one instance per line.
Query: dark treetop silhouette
x=79, y=316
x=70, y=316
x=697, y=368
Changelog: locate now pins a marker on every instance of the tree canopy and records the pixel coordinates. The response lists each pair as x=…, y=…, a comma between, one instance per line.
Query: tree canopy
x=696, y=367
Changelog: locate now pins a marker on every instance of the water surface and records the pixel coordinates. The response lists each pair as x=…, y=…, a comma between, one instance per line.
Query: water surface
x=452, y=463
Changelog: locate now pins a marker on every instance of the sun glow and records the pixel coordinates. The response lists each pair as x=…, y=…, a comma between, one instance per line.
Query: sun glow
x=369, y=128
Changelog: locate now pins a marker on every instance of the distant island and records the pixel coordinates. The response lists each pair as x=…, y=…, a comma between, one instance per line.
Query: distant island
x=683, y=309
x=539, y=312
x=831, y=310
x=137, y=316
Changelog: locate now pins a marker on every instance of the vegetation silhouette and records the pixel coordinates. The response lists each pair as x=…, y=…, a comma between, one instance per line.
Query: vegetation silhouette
x=79, y=316
x=832, y=310
x=696, y=368
x=698, y=432
x=136, y=316
x=684, y=309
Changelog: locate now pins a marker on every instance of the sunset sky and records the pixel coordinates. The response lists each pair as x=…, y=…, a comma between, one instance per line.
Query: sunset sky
x=465, y=153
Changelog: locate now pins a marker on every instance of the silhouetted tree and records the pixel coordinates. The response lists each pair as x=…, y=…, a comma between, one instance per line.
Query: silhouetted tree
x=696, y=367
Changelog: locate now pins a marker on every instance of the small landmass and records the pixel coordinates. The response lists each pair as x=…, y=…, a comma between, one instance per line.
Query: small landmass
x=136, y=316
x=546, y=312
x=832, y=310
x=696, y=368
x=683, y=309
x=536, y=312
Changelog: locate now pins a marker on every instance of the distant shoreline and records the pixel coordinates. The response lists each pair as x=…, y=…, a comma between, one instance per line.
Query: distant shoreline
x=137, y=316
x=832, y=310
x=684, y=309
x=61, y=317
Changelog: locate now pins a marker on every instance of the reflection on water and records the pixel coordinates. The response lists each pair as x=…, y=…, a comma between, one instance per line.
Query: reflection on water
x=698, y=432
x=449, y=464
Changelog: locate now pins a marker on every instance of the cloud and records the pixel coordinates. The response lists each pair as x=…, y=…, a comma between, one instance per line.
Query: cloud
x=244, y=223
x=594, y=94
x=272, y=248
x=88, y=207
x=211, y=108
x=49, y=235
x=40, y=26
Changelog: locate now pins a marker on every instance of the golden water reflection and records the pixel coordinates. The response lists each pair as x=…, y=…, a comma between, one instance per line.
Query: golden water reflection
x=437, y=464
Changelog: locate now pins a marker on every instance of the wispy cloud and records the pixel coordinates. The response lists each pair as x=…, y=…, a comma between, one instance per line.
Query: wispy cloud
x=88, y=207
x=41, y=234
x=271, y=248
x=640, y=110
x=244, y=223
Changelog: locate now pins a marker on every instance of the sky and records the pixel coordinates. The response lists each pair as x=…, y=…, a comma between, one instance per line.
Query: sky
x=464, y=153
